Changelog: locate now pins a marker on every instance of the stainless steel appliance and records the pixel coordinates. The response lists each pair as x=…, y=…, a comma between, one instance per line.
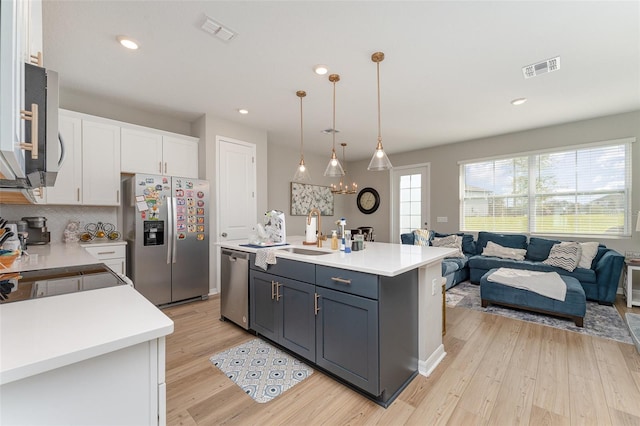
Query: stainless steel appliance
x=234, y=287
x=56, y=281
x=38, y=165
x=37, y=230
x=166, y=226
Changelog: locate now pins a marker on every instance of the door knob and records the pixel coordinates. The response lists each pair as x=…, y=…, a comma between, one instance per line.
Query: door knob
x=224, y=235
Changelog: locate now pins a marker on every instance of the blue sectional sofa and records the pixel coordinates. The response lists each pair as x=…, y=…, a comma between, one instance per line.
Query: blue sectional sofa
x=454, y=269
x=600, y=282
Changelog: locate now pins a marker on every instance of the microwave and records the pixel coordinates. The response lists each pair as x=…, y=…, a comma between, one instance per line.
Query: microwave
x=41, y=87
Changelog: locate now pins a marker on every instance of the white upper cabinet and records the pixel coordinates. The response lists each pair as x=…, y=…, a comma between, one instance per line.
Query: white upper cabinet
x=141, y=152
x=180, y=157
x=146, y=151
x=68, y=186
x=100, y=164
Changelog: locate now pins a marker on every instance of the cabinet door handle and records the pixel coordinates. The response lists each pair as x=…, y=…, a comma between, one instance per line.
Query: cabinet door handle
x=36, y=59
x=106, y=252
x=118, y=196
x=273, y=289
x=78, y=194
x=165, y=167
x=159, y=166
x=316, y=308
x=31, y=116
x=278, y=295
x=341, y=280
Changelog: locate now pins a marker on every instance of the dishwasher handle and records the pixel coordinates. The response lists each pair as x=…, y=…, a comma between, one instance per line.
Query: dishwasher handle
x=234, y=255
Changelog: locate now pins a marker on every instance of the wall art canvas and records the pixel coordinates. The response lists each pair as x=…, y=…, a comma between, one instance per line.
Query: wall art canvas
x=304, y=197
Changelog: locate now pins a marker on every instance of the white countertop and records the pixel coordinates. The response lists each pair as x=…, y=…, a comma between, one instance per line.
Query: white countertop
x=378, y=258
x=39, y=335
x=56, y=255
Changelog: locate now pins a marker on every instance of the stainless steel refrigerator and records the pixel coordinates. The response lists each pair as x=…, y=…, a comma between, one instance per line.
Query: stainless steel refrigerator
x=166, y=225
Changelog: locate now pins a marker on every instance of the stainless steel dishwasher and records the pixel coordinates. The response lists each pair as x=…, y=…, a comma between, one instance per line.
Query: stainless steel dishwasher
x=234, y=291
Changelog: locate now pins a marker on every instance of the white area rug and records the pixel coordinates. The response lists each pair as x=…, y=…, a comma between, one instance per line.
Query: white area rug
x=261, y=370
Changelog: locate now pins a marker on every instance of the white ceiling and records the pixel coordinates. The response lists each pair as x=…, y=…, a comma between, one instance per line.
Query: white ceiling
x=450, y=72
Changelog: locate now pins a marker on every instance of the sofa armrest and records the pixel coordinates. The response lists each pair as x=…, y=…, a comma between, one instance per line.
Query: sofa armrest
x=608, y=270
x=407, y=238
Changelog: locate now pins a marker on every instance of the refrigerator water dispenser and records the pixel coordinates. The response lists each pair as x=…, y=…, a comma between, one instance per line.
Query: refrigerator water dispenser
x=153, y=232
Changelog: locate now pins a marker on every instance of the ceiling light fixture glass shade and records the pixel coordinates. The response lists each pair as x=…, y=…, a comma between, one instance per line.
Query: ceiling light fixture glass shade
x=302, y=172
x=379, y=161
x=334, y=168
x=341, y=188
x=127, y=42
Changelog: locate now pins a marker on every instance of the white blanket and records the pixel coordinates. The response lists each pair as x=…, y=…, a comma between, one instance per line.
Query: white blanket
x=548, y=284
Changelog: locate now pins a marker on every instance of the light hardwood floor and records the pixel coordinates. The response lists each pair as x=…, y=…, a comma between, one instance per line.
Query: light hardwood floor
x=497, y=371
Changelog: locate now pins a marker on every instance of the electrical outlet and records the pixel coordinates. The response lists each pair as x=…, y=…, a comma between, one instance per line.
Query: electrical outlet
x=443, y=219
x=434, y=286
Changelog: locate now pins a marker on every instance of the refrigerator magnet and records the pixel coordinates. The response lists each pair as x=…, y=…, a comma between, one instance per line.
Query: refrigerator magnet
x=200, y=228
x=191, y=202
x=200, y=237
x=200, y=194
x=181, y=227
x=189, y=184
x=179, y=193
x=200, y=211
x=200, y=219
x=191, y=228
x=200, y=203
x=182, y=236
x=191, y=219
x=189, y=194
x=165, y=180
x=181, y=201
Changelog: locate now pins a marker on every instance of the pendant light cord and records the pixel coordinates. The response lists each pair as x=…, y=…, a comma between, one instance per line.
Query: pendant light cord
x=334, y=116
x=301, y=132
x=378, y=74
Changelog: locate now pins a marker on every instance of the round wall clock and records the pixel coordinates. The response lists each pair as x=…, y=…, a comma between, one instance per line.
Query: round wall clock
x=368, y=200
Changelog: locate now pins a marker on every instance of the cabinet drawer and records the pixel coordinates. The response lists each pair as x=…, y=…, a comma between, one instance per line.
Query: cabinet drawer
x=293, y=269
x=347, y=281
x=107, y=252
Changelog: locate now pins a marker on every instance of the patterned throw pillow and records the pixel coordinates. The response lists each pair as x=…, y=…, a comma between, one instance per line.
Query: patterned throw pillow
x=564, y=255
x=452, y=241
x=496, y=250
x=421, y=237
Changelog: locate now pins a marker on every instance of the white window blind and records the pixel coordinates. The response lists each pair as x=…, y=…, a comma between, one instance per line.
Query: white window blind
x=573, y=191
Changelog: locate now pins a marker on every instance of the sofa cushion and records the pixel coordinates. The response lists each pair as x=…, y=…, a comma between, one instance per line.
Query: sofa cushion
x=493, y=249
x=407, y=238
x=517, y=241
x=538, y=248
x=453, y=264
x=564, y=255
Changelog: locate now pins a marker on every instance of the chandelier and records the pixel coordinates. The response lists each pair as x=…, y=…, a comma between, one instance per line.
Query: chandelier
x=341, y=188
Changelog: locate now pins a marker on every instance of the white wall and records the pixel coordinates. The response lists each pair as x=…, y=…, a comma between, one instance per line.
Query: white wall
x=281, y=168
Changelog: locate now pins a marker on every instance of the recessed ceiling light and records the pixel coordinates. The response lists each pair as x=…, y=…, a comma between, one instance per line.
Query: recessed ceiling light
x=127, y=42
x=518, y=101
x=243, y=111
x=321, y=69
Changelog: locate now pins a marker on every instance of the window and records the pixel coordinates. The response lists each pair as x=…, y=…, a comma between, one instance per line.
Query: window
x=410, y=202
x=576, y=191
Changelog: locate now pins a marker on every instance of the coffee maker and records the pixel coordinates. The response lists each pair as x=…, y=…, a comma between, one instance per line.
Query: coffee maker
x=37, y=229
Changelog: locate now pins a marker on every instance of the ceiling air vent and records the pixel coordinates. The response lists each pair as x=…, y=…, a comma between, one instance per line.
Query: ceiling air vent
x=212, y=27
x=543, y=67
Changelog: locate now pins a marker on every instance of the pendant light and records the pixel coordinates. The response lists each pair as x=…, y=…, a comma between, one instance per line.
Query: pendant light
x=334, y=168
x=302, y=173
x=379, y=161
x=341, y=188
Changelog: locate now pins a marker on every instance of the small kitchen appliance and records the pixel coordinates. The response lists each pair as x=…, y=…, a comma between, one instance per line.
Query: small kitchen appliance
x=37, y=229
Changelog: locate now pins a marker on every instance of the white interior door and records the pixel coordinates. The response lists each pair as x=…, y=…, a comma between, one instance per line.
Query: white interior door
x=236, y=189
x=410, y=199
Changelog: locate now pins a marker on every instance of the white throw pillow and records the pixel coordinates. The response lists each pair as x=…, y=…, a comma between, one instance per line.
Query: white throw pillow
x=589, y=251
x=564, y=255
x=496, y=250
x=451, y=241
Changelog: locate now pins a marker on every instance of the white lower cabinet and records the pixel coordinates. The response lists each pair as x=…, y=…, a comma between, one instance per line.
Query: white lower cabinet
x=114, y=255
x=124, y=387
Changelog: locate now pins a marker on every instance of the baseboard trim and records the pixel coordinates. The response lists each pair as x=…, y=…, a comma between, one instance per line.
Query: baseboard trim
x=426, y=367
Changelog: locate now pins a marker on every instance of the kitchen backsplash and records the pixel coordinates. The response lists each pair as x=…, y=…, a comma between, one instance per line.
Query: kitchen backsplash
x=59, y=216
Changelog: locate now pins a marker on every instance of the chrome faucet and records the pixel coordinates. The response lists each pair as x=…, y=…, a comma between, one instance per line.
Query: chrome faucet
x=318, y=225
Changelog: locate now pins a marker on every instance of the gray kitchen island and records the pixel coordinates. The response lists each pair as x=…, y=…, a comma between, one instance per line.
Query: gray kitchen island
x=371, y=318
